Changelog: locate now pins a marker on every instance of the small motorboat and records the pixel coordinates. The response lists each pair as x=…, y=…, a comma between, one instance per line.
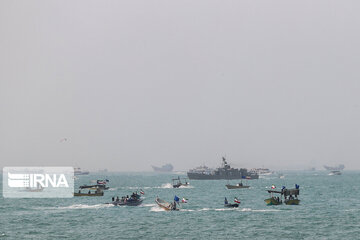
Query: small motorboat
x=38, y=188
x=231, y=205
x=127, y=201
x=177, y=182
x=273, y=200
x=100, y=186
x=238, y=185
x=332, y=173
x=98, y=192
x=133, y=200
x=291, y=195
x=89, y=194
x=165, y=205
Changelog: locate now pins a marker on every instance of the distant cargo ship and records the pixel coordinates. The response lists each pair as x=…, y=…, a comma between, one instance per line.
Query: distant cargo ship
x=164, y=168
x=223, y=172
x=262, y=171
x=78, y=171
x=336, y=168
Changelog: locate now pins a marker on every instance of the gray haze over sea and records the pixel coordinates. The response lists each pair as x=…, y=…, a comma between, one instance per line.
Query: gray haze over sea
x=123, y=85
x=131, y=84
x=329, y=209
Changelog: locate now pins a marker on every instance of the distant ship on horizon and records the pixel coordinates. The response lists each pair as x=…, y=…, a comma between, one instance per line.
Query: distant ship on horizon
x=336, y=168
x=78, y=171
x=165, y=168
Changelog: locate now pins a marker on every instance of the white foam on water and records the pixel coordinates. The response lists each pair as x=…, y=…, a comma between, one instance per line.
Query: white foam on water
x=351, y=210
x=166, y=185
x=204, y=209
x=137, y=187
x=148, y=205
x=188, y=186
x=112, y=189
x=223, y=209
x=187, y=210
x=266, y=210
x=157, y=209
x=246, y=210
x=85, y=206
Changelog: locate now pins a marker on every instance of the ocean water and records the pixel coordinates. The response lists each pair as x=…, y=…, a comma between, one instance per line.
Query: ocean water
x=329, y=209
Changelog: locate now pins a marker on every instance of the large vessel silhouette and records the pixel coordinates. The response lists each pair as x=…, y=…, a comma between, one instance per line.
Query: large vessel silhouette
x=164, y=168
x=223, y=172
x=335, y=168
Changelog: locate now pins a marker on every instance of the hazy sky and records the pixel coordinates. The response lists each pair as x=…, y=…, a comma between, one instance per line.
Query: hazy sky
x=137, y=83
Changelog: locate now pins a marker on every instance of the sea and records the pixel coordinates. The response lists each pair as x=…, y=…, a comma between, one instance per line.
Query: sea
x=329, y=209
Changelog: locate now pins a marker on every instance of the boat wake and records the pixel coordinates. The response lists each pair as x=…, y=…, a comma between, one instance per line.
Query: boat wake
x=166, y=185
x=225, y=209
x=188, y=186
x=149, y=205
x=187, y=210
x=85, y=206
x=157, y=209
x=265, y=210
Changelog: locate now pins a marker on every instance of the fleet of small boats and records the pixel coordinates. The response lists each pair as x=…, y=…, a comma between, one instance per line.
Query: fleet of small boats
x=277, y=197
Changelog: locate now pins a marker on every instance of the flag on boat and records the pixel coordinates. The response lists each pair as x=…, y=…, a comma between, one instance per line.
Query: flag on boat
x=184, y=200
x=142, y=192
x=176, y=199
x=236, y=200
x=273, y=186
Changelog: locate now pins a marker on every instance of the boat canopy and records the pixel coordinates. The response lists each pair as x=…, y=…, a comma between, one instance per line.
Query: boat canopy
x=294, y=191
x=273, y=191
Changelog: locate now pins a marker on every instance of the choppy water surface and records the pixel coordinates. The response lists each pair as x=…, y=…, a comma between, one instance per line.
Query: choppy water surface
x=329, y=209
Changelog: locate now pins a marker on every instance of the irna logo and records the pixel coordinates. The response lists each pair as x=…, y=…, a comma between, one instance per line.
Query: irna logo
x=38, y=182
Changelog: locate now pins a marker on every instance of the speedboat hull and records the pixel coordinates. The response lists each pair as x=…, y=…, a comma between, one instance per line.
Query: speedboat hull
x=89, y=194
x=272, y=201
x=128, y=203
x=165, y=205
x=292, y=202
x=235, y=205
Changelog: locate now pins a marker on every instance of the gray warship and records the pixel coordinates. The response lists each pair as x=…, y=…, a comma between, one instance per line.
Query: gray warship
x=223, y=172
